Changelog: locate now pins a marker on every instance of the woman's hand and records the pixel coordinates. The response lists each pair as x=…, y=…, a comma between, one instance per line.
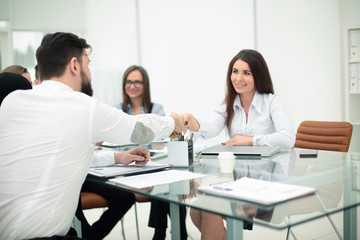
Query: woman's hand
x=139, y=155
x=183, y=122
x=239, y=140
x=191, y=122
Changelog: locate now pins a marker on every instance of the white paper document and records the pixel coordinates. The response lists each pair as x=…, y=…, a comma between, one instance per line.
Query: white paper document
x=120, y=169
x=257, y=191
x=157, y=178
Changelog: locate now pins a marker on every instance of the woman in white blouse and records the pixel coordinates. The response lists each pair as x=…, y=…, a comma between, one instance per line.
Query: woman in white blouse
x=253, y=115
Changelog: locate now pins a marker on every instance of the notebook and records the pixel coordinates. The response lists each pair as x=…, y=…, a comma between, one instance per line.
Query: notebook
x=262, y=151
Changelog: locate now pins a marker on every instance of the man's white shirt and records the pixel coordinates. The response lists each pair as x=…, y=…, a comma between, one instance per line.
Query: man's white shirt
x=47, y=138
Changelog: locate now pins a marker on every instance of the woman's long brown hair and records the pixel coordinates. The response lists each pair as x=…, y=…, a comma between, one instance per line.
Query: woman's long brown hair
x=146, y=99
x=260, y=72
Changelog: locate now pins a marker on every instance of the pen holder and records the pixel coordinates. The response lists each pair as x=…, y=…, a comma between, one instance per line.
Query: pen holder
x=180, y=153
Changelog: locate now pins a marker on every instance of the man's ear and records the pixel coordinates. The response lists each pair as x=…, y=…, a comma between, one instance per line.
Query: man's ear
x=74, y=65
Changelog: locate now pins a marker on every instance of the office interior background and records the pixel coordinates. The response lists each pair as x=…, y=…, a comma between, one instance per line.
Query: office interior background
x=186, y=47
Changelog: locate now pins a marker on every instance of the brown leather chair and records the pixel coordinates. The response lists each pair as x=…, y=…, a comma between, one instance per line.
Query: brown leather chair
x=322, y=135
x=91, y=200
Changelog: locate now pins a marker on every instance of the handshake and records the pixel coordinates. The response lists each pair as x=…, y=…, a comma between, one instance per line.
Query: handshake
x=183, y=122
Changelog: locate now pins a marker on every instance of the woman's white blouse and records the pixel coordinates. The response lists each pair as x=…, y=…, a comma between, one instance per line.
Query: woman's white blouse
x=268, y=122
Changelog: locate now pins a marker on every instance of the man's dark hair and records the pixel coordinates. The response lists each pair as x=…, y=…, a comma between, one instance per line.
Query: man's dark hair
x=55, y=52
x=37, y=73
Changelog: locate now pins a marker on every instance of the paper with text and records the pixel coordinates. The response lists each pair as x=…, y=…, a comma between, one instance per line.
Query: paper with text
x=257, y=191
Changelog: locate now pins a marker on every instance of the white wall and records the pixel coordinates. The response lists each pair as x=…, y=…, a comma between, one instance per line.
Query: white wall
x=187, y=45
x=111, y=31
x=300, y=41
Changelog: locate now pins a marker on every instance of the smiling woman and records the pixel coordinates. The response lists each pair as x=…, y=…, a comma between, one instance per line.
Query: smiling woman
x=136, y=93
x=253, y=115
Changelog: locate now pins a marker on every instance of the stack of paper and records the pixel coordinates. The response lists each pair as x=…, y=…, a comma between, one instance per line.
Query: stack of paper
x=257, y=191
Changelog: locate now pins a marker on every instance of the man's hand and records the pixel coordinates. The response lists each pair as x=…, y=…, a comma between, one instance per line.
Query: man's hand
x=139, y=155
x=179, y=123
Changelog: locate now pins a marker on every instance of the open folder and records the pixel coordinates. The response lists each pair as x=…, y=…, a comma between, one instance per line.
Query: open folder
x=120, y=169
x=257, y=191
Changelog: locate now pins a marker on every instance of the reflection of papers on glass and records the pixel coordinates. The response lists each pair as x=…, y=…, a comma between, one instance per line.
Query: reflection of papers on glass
x=155, y=154
x=257, y=191
x=158, y=178
x=113, y=145
x=153, y=145
x=157, y=149
x=120, y=169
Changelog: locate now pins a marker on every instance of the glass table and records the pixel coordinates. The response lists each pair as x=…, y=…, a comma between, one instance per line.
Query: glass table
x=334, y=175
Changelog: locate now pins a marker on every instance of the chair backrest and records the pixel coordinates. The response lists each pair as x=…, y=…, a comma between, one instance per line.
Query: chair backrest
x=92, y=200
x=10, y=82
x=321, y=135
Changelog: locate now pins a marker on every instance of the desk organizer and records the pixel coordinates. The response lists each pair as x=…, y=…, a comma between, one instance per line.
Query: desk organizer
x=180, y=153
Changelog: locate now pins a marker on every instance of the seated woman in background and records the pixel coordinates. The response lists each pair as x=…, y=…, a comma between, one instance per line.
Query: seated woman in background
x=18, y=70
x=253, y=115
x=136, y=93
x=137, y=100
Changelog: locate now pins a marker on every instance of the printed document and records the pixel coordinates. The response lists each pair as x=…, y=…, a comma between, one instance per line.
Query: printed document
x=257, y=191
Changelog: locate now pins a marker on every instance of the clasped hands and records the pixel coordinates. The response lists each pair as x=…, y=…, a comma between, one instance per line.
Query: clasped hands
x=183, y=122
x=186, y=121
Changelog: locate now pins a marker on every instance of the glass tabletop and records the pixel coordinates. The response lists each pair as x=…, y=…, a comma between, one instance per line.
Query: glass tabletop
x=335, y=177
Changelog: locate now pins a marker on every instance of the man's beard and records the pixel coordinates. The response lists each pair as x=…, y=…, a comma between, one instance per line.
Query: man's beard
x=86, y=84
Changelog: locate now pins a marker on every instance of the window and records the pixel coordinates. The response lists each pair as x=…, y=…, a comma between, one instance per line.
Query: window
x=25, y=44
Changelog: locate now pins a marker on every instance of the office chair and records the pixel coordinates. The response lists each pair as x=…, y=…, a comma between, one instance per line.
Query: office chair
x=323, y=135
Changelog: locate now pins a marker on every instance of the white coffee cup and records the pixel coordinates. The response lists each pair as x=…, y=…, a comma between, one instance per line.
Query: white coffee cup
x=226, y=161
